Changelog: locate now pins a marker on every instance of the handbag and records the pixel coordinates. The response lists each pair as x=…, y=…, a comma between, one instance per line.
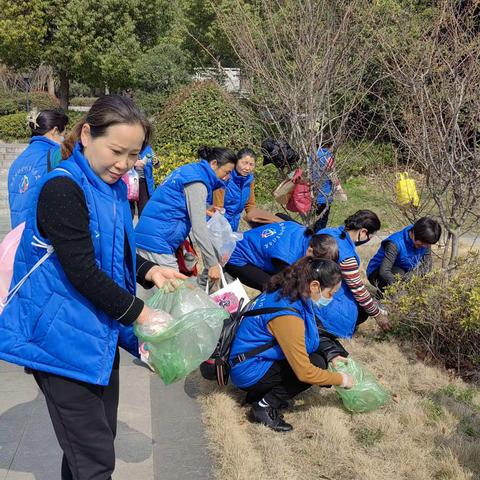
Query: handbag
x=301, y=199
x=285, y=190
x=407, y=191
x=230, y=296
x=257, y=216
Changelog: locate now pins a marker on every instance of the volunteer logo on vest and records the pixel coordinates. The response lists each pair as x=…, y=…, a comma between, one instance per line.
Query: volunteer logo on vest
x=268, y=232
x=24, y=184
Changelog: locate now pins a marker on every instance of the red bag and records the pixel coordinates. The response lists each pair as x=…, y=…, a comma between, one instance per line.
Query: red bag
x=187, y=259
x=301, y=199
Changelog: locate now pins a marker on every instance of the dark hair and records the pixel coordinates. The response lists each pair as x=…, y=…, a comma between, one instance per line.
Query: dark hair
x=107, y=111
x=294, y=281
x=220, y=154
x=246, y=152
x=324, y=246
x=427, y=230
x=363, y=219
x=46, y=120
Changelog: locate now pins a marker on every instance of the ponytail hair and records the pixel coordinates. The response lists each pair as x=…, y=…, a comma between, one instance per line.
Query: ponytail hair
x=363, y=219
x=107, y=111
x=220, y=154
x=294, y=281
x=42, y=122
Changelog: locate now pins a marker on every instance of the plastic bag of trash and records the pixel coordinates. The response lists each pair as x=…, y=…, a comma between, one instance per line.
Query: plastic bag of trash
x=187, y=336
x=223, y=237
x=366, y=395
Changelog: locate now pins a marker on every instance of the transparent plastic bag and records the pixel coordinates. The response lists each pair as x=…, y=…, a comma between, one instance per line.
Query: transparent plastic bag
x=223, y=237
x=366, y=395
x=190, y=336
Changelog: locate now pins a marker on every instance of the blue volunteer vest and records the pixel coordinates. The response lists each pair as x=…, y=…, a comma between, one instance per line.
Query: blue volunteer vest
x=285, y=241
x=253, y=332
x=339, y=317
x=147, y=155
x=25, y=173
x=48, y=325
x=320, y=170
x=408, y=255
x=165, y=223
x=237, y=193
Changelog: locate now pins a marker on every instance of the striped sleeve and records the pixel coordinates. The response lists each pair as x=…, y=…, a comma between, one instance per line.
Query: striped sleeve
x=351, y=276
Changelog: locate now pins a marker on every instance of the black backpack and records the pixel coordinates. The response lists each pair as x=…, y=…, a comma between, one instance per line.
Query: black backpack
x=218, y=366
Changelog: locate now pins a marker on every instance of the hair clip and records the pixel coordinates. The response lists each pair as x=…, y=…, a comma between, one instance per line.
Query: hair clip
x=32, y=118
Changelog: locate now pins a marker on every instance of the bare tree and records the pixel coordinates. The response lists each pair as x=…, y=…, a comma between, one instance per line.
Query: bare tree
x=305, y=62
x=436, y=122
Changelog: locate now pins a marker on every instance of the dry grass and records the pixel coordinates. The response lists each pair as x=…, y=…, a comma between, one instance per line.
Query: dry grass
x=430, y=430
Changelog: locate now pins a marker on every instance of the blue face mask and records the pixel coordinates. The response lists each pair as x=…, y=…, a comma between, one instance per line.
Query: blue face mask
x=322, y=301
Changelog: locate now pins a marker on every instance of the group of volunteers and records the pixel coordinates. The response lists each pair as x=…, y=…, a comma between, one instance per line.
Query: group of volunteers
x=73, y=300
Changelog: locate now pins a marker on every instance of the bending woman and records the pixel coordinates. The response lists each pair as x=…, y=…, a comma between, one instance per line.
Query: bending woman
x=179, y=205
x=290, y=361
x=41, y=156
x=353, y=304
x=77, y=303
x=404, y=253
x=267, y=250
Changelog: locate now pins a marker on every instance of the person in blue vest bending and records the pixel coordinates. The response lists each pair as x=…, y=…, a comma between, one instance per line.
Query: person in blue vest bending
x=144, y=167
x=404, y=253
x=179, y=205
x=75, y=273
x=41, y=156
x=353, y=304
x=239, y=193
x=266, y=250
x=325, y=184
x=277, y=354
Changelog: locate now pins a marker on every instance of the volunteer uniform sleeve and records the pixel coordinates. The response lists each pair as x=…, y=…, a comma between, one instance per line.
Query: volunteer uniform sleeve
x=385, y=270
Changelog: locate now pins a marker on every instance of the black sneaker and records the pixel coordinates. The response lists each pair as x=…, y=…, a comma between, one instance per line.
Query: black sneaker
x=269, y=417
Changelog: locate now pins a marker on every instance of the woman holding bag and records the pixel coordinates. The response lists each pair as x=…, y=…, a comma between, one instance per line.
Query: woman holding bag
x=288, y=358
x=75, y=274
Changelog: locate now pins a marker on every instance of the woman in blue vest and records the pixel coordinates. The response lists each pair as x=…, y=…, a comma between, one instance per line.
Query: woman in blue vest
x=277, y=355
x=404, y=253
x=239, y=192
x=326, y=184
x=268, y=249
x=41, y=155
x=144, y=167
x=179, y=205
x=75, y=273
x=353, y=304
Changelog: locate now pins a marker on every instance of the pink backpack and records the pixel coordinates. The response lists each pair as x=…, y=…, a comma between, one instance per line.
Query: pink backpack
x=8, y=249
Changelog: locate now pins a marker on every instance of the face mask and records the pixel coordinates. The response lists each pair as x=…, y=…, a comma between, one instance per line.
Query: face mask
x=322, y=301
x=62, y=139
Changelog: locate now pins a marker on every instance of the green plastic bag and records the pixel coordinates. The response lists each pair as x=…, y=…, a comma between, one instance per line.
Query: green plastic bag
x=189, y=338
x=366, y=395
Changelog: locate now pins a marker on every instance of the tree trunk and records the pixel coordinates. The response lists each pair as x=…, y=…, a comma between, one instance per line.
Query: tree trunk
x=64, y=91
x=51, y=84
x=446, y=252
x=454, y=249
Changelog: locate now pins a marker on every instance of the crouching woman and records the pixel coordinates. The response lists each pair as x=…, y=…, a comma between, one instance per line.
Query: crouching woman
x=287, y=344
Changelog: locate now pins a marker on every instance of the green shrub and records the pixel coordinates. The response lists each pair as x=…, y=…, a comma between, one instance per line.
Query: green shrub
x=150, y=102
x=170, y=158
x=13, y=102
x=441, y=312
x=8, y=104
x=82, y=101
x=203, y=114
x=14, y=128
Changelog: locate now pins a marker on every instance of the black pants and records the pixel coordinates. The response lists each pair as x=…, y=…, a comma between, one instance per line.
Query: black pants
x=322, y=211
x=142, y=198
x=249, y=275
x=280, y=383
x=84, y=417
x=380, y=281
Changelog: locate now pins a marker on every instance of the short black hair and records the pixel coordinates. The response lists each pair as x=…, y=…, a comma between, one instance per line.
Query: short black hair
x=246, y=152
x=427, y=230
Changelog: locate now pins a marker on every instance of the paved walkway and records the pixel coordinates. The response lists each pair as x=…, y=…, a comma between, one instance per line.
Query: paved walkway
x=159, y=430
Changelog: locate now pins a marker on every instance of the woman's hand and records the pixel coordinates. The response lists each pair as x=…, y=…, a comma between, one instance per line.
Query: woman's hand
x=165, y=277
x=348, y=381
x=214, y=274
x=213, y=209
x=144, y=316
x=140, y=164
x=382, y=320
